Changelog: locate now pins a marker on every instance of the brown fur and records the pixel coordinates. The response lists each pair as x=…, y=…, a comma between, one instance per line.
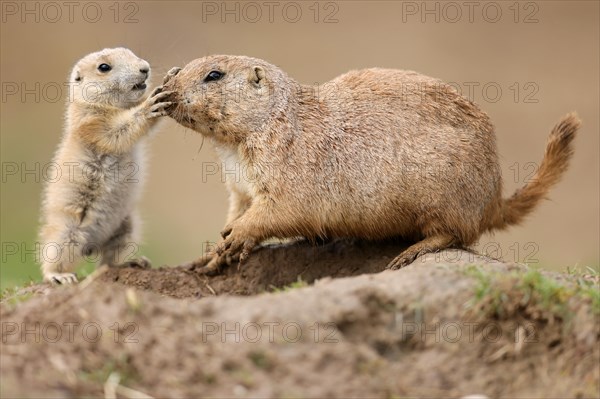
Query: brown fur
x=559, y=151
x=373, y=153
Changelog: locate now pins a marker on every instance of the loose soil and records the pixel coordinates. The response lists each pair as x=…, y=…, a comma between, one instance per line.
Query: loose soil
x=300, y=320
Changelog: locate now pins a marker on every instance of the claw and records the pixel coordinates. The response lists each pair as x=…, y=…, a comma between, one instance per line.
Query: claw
x=400, y=261
x=222, y=247
x=211, y=269
x=158, y=106
x=62, y=278
x=226, y=231
x=172, y=72
x=196, y=263
x=156, y=91
x=142, y=263
x=244, y=257
x=246, y=250
x=160, y=95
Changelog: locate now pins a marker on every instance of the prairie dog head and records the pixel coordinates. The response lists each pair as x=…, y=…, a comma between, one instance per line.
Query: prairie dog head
x=225, y=97
x=112, y=76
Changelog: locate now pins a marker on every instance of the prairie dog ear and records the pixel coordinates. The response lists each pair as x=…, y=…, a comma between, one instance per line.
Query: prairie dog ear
x=257, y=76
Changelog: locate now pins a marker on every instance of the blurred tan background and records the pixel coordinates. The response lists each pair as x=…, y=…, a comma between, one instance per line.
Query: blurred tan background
x=526, y=64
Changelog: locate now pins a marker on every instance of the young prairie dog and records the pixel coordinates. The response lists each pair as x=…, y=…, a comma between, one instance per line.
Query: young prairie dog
x=374, y=153
x=90, y=209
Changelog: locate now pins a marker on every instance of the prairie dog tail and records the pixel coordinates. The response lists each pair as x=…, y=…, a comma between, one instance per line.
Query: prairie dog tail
x=559, y=150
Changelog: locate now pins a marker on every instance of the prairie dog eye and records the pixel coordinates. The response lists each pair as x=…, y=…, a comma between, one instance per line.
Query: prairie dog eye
x=104, y=68
x=213, y=75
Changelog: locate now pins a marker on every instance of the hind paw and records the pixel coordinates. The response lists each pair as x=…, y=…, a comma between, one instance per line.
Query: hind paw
x=401, y=261
x=61, y=278
x=141, y=262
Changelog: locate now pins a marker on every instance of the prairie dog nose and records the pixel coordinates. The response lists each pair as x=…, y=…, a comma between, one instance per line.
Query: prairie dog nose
x=145, y=68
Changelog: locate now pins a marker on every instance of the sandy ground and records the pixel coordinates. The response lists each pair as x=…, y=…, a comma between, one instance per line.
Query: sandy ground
x=304, y=321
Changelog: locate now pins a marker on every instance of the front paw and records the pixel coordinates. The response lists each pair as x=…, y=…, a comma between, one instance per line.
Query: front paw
x=157, y=105
x=235, y=246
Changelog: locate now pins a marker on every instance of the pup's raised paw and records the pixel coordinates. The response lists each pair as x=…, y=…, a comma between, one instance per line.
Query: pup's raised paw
x=158, y=103
x=172, y=72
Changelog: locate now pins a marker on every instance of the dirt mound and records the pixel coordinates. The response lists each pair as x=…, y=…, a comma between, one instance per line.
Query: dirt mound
x=449, y=325
x=269, y=268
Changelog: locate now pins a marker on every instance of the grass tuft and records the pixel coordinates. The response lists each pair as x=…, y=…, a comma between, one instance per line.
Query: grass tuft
x=299, y=283
x=502, y=294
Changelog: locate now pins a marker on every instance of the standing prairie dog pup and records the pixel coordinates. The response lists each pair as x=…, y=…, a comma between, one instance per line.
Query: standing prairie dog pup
x=372, y=154
x=91, y=207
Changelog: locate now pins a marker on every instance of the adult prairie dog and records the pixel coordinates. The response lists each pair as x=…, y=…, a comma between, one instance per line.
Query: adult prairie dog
x=90, y=209
x=374, y=153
